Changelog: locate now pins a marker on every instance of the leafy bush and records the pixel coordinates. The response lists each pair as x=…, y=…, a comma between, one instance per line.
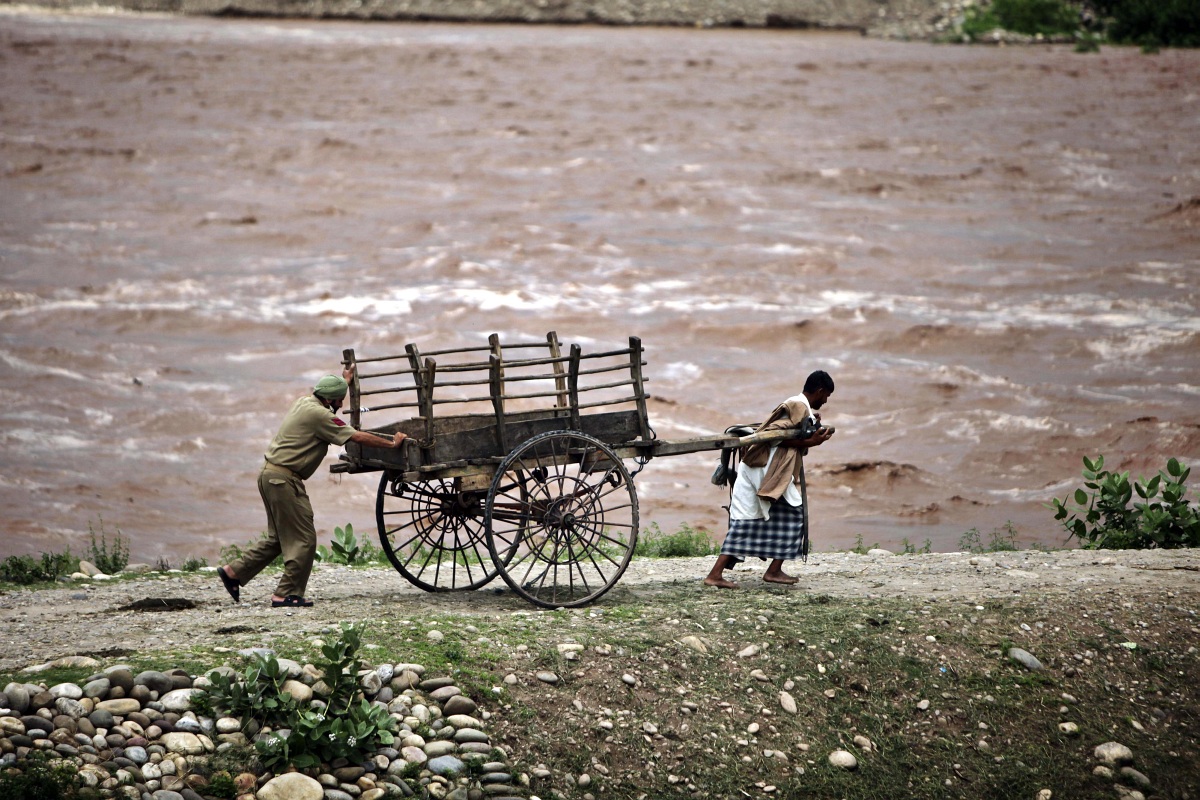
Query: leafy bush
x=346, y=549
x=1174, y=23
x=194, y=564
x=348, y=726
x=907, y=548
x=110, y=563
x=40, y=779
x=683, y=543
x=1047, y=17
x=49, y=567
x=1103, y=519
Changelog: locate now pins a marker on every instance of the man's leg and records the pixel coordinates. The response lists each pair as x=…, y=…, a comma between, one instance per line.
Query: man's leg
x=298, y=542
x=265, y=550
x=716, y=575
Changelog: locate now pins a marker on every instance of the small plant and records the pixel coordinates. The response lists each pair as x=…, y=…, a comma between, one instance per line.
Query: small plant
x=1102, y=517
x=860, y=548
x=907, y=548
x=347, y=727
x=347, y=549
x=48, y=567
x=40, y=779
x=1004, y=539
x=257, y=694
x=110, y=563
x=684, y=543
x=221, y=785
x=164, y=564
x=194, y=564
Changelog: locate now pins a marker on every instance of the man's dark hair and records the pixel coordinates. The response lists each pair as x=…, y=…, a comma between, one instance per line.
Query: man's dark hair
x=819, y=380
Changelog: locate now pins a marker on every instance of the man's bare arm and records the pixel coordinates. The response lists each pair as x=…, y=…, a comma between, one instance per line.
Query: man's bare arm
x=372, y=440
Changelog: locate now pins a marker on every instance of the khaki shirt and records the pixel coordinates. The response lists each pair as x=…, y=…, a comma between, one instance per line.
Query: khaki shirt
x=305, y=435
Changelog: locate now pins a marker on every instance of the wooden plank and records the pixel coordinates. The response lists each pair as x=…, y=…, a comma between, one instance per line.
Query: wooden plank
x=635, y=372
x=560, y=376
x=573, y=385
x=355, y=400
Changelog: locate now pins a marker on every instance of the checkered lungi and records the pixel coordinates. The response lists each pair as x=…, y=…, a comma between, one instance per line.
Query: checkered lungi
x=784, y=535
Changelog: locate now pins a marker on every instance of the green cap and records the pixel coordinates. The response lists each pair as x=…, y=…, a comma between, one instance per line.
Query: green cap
x=331, y=387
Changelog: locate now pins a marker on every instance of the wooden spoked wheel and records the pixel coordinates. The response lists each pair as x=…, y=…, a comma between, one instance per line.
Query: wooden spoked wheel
x=562, y=519
x=433, y=533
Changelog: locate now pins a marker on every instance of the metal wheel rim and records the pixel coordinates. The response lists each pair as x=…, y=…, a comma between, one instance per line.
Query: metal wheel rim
x=432, y=542
x=568, y=537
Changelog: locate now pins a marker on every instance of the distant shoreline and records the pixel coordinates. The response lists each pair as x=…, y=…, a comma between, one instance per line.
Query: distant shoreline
x=903, y=19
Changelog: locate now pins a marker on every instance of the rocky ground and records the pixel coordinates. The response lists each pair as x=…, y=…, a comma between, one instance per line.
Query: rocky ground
x=950, y=675
x=90, y=617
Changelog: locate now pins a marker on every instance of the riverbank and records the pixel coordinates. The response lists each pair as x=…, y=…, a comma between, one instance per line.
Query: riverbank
x=888, y=18
x=668, y=688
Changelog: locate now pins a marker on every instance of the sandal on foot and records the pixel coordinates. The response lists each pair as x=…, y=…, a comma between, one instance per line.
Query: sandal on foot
x=231, y=585
x=291, y=601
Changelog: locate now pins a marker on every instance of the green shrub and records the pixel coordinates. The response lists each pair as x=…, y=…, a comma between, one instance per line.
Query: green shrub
x=194, y=564
x=1003, y=539
x=1150, y=23
x=110, y=563
x=48, y=567
x=347, y=727
x=683, y=543
x=1103, y=519
x=1047, y=17
x=347, y=549
x=40, y=778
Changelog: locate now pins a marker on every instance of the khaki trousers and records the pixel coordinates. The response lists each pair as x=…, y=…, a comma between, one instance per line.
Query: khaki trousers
x=290, y=533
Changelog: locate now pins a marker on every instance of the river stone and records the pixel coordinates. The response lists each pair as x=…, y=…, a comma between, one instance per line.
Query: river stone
x=70, y=690
x=120, y=676
x=405, y=679
x=143, y=694
x=336, y=794
x=377, y=793
x=444, y=693
x=1025, y=659
x=1137, y=778
x=97, y=689
x=843, y=759
x=879, y=551
x=298, y=690
x=463, y=721
x=228, y=725
x=459, y=704
x=154, y=681
x=166, y=794
x=11, y=726
x=71, y=708
x=545, y=676
x=120, y=707
x=432, y=684
x=371, y=682
x=470, y=735
x=137, y=755
x=439, y=748
x=179, y=700
x=445, y=765
x=182, y=742
x=292, y=668
x=291, y=786
x=1113, y=754
x=88, y=568
x=18, y=697
x=409, y=753
x=788, y=703
x=348, y=774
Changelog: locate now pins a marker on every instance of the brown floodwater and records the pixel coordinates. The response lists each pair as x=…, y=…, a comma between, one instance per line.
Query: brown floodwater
x=994, y=251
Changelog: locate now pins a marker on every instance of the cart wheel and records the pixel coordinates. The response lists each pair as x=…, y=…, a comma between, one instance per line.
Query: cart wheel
x=433, y=534
x=562, y=519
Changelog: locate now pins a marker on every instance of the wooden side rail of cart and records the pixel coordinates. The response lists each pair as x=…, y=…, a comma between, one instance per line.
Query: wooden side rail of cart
x=527, y=389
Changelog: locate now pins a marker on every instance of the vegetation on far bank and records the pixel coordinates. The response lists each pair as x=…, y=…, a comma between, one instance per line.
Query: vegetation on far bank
x=1149, y=24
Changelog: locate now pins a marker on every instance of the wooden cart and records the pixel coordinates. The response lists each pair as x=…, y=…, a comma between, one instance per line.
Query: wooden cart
x=530, y=482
